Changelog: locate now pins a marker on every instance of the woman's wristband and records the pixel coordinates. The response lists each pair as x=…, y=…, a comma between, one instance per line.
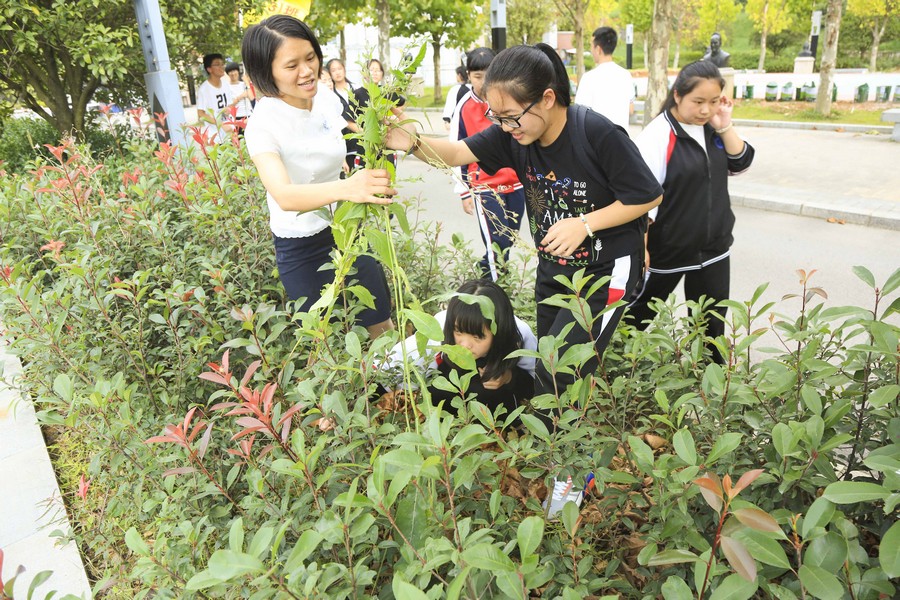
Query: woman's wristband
x=586, y=226
x=724, y=129
x=415, y=146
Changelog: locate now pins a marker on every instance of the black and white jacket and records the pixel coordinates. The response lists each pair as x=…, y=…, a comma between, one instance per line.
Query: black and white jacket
x=693, y=226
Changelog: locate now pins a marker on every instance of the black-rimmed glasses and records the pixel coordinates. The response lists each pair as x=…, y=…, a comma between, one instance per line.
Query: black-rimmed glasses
x=511, y=122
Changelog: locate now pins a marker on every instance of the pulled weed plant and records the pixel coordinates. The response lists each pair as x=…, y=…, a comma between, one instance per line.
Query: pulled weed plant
x=183, y=397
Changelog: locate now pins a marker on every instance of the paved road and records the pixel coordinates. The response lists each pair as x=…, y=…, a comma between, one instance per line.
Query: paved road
x=769, y=246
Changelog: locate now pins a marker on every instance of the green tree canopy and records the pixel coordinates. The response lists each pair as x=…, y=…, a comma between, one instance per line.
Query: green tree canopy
x=55, y=55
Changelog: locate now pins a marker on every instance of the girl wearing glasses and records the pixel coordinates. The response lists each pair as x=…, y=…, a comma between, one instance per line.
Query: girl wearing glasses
x=587, y=192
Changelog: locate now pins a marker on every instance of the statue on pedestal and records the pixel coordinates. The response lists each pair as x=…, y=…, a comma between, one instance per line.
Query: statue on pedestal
x=716, y=55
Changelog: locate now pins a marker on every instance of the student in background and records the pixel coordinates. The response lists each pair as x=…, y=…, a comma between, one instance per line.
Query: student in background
x=455, y=95
x=607, y=88
x=240, y=93
x=213, y=97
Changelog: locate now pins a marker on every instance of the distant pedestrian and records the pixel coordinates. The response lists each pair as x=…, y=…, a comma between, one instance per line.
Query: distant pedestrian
x=692, y=147
x=241, y=94
x=213, y=97
x=455, y=95
x=375, y=71
x=497, y=200
x=607, y=88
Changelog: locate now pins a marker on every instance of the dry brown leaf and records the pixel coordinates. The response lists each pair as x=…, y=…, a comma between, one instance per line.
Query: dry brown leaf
x=654, y=441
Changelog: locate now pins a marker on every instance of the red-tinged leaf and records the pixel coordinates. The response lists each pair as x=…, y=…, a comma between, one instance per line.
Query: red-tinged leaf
x=223, y=405
x=237, y=453
x=241, y=434
x=266, y=449
x=83, y=485
x=214, y=377
x=246, y=394
x=745, y=480
x=225, y=361
x=739, y=558
x=187, y=419
x=204, y=441
x=285, y=432
x=267, y=395
x=757, y=519
x=707, y=482
x=250, y=422
x=712, y=498
x=160, y=439
x=240, y=410
x=726, y=485
x=179, y=471
x=250, y=371
x=196, y=430
x=290, y=413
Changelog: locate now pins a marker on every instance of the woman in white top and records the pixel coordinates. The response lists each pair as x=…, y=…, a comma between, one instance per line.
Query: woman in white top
x=294, y=138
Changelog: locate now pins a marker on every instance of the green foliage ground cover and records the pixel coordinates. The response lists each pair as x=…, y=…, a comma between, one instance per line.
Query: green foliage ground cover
x=169, y=372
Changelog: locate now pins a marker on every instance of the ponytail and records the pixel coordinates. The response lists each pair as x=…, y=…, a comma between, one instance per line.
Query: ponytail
x=524, y=72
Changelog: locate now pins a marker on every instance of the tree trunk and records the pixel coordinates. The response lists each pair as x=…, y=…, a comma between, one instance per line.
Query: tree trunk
x=829, y=56
x=436, y=47
x=646, y=50
x=762, y=37
x=343, y=53
x=579, y=39
x=658, y=82
x=678, y=24
x=877, y=32
x=383, y=9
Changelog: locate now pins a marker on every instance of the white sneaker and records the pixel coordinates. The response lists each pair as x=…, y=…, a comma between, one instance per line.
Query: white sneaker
x=563, y=492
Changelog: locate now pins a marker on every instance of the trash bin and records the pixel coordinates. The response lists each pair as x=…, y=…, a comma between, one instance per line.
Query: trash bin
x=811, y=93
x=883, y=93
x=834, y=92
x=748, y=91
x=787, y=92
x=862, y=93
x=897, y=93
x=801, y=93
x=772, y=91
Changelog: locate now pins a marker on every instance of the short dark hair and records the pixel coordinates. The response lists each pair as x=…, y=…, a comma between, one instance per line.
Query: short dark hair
x=261, y=42
x=479, y=59
x=209, y=58
x=468, y=318
x=689, y=77
x=463, y=73
x=524, y=72
x=606, y=38
x=232, y=67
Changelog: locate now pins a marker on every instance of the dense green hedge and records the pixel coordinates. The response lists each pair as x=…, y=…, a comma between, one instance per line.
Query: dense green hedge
x=142, y=298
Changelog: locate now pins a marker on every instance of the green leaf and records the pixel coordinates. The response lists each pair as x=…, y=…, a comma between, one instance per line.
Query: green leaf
x=758, y=519
x=783, y=439
x=763, y=548
x=865, y=275
x=685, y=447
x=726, y=443
x=487, y=557
x=227, y=565
x=672, y=557
x=675, y=588
x=406, y=591
x=529, y=535
x=642, y=454
x=889, y=551
x=892, y=283
x=135, y=543
x=63, y=387
x=236, y=535
x=352, y=344
x=818, y=515
x=535, y=426
x=308, y=541
x=510, y=584
x=738, y=557
x=37, y=581
x=827, y=552
x=850, y=492
x=734, y=587
x=425, y=324
x=884, y=395
x=820, y=583
x=456, y=586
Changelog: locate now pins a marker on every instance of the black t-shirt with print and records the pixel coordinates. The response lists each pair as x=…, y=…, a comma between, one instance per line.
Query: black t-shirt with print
x=560, y=183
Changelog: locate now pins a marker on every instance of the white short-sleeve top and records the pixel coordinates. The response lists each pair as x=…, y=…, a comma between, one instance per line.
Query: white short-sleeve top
x=311, y=147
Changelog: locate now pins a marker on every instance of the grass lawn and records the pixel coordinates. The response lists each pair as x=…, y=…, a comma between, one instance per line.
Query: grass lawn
x=865, y=113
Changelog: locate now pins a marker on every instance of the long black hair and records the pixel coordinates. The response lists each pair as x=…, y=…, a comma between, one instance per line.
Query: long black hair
x=468, y=318
x=524, y=72
x=261, y=42
x=689, y=78
x=340, y=62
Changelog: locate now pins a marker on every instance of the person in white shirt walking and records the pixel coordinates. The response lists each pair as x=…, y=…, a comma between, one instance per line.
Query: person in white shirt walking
x=607, y=88
x=240, y=93
x=213, y=97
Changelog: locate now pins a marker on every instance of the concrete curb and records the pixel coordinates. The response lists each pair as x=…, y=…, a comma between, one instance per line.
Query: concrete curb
x=31, y=503
x=849, y=128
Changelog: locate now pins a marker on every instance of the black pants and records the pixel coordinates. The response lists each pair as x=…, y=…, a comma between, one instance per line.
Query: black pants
x=300, y=262
x=712, y=281
x=552, y=319
x=499, y=216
